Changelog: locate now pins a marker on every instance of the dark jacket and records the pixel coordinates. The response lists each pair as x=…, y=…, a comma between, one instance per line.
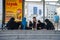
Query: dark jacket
x=30, y=24
x=40, y=26
x=12, y=24
x=49, y=25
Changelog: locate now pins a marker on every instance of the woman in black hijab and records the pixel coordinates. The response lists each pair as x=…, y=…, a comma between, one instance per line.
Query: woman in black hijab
x=49, y=25
x=11, y=24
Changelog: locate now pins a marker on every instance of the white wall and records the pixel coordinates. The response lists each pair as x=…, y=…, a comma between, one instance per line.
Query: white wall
x=58, y=11
x=29, y=10
x=0, y=13
x=41, y=0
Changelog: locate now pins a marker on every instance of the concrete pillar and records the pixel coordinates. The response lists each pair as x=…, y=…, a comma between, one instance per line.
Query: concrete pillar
x=43, y=10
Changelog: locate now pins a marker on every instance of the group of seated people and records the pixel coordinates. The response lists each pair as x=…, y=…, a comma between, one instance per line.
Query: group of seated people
x=11, y=25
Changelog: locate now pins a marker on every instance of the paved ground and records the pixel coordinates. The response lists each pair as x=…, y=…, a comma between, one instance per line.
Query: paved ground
x=29, y=35
x=57, y=27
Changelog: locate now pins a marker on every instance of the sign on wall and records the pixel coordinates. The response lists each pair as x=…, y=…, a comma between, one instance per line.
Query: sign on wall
x=34, y=10
x=40, y=12
x=13, y=8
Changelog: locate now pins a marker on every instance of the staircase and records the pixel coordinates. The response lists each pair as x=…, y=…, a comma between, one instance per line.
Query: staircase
x=29, y=35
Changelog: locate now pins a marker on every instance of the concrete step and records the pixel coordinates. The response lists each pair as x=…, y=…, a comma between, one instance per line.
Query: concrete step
x=29, y=32
x=29, y=35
